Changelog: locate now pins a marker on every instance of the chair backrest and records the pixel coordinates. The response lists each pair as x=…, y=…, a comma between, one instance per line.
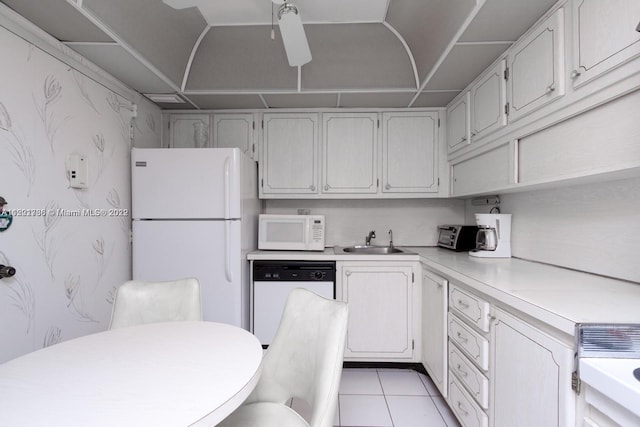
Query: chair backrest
x=138, y=302
x=306, y=355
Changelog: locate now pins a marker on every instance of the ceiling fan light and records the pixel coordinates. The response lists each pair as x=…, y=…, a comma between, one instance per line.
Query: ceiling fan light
x=293, y=37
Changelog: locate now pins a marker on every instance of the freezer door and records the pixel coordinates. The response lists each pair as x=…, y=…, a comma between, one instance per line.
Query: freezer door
x=185, y=183
x=207, y=250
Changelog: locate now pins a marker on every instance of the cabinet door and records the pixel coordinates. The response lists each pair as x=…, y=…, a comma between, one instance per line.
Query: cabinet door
x=531, y=381
x=434, y=329
x=234, y=130
x=349, y=153
x=536, y=68
x=488, y=102
x=409, y=152
x=189, y=131
x=380, y=310
x=458, y=124
x=604, y=37
x=488, y=171
x=289, y=156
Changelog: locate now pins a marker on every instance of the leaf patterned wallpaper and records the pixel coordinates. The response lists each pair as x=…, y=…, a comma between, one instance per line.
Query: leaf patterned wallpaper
x=68, y=262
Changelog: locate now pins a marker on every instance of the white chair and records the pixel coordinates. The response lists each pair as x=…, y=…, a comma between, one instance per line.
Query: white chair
x=304, y=361
x=138, y=302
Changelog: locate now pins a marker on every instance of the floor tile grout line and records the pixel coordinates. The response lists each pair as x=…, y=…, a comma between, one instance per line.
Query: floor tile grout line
x=386, y=403
x=439, y=412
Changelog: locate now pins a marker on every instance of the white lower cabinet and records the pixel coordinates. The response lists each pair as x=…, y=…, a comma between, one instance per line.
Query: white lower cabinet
x=382, y=316
x=468, y=356
x=434, y=328
x=530, y=376
x=467, y=411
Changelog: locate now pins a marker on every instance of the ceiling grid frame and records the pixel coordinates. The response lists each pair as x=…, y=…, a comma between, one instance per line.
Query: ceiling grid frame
x=193, y=54
x=452, y=43
x=109, y=31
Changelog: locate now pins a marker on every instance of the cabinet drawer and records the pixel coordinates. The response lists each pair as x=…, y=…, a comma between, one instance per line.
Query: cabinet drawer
x=470, y=342
x=476, y=384
x=470, y=307
x=469, y=414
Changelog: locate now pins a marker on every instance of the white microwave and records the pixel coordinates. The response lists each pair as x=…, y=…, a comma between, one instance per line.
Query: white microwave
x=291, y=232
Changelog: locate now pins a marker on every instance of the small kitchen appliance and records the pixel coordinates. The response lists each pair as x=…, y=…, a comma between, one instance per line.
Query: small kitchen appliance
x=457, y=237
x=493, y=239
x=291, y=232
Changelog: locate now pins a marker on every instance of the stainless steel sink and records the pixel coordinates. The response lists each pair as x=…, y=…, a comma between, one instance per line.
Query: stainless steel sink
x=371, y=250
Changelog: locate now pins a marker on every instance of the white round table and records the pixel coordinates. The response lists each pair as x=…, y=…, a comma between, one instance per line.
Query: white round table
x=162, y=374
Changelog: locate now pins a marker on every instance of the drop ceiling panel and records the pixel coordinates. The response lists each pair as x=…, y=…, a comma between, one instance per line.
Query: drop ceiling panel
x=505, y=20
x=241, y=58
x=243, y=12
x=356, y=56
x=60, y=19
x=428, y=26
x=376, y=100
x=434, y=99
x=163, y=35
x=221, y=102
x=122, y=65
x=301, y=100
x=463, y=64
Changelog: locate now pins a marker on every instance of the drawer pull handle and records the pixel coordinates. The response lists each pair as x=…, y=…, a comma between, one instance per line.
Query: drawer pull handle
x=463, y=304
x=461, y=409
x=462, y=337
x=461, y=371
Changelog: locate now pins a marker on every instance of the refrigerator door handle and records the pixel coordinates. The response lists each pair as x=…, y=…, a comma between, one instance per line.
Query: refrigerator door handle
x=227, y=188
x=227, y=252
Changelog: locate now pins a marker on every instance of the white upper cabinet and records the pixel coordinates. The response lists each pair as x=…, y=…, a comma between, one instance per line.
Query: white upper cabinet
x=189, y=131
x=349, y=153
x=488, y=102
x=409, y=152
x=458, y=121
x=235, y=130
x=536, y=67
x=289, y=154
x=604, y=37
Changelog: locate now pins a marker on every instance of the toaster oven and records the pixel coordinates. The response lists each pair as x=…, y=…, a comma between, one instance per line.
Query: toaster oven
x=457, y=237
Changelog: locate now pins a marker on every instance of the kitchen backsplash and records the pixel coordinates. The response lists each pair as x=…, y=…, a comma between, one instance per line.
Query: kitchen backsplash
x=591, y=227
x=414, y=221
x=68, y=262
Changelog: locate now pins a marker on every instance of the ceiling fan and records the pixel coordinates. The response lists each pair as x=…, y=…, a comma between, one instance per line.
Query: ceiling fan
x=293, y=35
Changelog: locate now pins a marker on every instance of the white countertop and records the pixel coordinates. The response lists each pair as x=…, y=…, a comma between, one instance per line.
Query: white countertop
x=556, y=296
x=613, y=378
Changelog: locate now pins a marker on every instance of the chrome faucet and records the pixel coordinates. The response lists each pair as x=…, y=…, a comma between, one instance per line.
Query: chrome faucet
x=390, y=238
x=372, y=235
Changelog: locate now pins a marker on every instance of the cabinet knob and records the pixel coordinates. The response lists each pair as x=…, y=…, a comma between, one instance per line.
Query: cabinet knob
x=347, y=273
x=461, y=409
x=464, y=138
x=387, y=187
x=326, y=188
x=312, y=187
x=574, y=74
x=550, y=89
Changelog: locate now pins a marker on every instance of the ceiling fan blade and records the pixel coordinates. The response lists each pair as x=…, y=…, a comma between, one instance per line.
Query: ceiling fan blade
x=294, y=39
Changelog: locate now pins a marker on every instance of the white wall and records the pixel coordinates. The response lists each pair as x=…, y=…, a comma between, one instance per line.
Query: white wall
x=414, y=221
x=593, y=228
x=67, y=267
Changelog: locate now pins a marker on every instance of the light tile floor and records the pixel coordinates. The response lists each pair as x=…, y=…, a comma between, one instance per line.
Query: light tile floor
x=387, y=398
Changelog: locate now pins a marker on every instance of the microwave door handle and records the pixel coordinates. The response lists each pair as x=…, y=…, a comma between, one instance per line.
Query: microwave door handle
x=307, y=239
x=227, y=187
x=227, y=252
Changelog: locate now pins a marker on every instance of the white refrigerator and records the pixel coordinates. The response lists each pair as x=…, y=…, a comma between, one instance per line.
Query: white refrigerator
x=195, y=214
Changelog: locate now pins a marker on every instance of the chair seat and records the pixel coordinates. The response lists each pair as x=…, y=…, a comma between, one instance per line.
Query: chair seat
x=264, y=414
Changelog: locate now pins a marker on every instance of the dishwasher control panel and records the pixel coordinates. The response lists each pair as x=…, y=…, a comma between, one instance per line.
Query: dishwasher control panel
x=294, y=271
